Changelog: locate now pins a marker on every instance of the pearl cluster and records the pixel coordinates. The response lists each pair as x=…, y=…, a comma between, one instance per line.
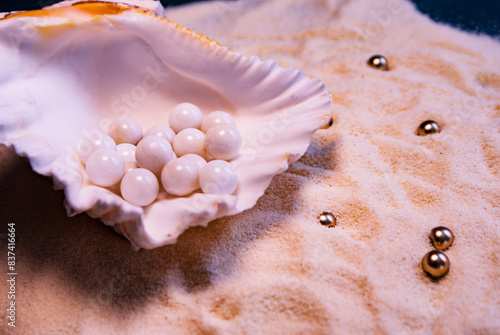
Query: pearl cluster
x=191, y=154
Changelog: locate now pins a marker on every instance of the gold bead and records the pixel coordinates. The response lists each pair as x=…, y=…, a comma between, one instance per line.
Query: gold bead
x=327, y=219
x=379, y=62
x=428, y=127
x=329, y=124
x=442, y=238
x=436, y=264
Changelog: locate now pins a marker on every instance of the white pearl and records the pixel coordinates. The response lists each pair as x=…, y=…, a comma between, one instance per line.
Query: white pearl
x=189, y=141
x=180, y=177
x=127, y=151
x=130, y=166
x=140, y=187
x=105, y=167
x=153, y=152
x=125, y=130
x=216, y=118
x=199, y=161
x=223, y=142
x=184, y=116
x=218, y=177
x=94, y=142
x=162, y=131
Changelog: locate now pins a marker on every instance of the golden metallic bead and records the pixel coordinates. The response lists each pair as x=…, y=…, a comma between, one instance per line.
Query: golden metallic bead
x=327, y=219
x=379, y=62
x=436, y=264
x=428, y=127
x=442, y=238
x=329, y=124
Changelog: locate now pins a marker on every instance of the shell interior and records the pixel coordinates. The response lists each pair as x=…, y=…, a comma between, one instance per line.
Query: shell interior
x=70, y=69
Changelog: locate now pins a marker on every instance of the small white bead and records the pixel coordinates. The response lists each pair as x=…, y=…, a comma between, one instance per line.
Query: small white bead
x=180, y=177
x=199, y=161
x=127, y=151
x=130, y=166
x=162, y=131
x=153, y=152
x=189, y=141
x=94, y=142
x=125, y=130
x=139, y=187
x=216, y=118
x=223, y=142
x=184, y=116
x=105, y=167
x=218, y=177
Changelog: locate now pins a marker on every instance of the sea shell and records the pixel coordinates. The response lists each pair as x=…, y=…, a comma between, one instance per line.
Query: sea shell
x=72, y=68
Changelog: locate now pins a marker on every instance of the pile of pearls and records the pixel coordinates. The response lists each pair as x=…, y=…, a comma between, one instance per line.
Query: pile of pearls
x=191, y=154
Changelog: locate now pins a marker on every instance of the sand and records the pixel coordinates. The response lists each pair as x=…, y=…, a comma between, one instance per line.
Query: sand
x=274, y=269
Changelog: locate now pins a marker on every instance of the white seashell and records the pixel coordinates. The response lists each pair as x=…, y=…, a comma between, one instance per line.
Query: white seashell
x=66, y=74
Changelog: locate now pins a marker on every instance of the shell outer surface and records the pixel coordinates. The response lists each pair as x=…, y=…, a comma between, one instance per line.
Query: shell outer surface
x=72, y=68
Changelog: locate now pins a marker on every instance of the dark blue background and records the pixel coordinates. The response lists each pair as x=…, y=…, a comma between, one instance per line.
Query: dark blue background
x=478, y=16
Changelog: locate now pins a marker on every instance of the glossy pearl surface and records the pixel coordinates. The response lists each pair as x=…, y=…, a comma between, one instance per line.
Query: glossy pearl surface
x=105, y=167
x=379, y=62
x=125, y=130
x=189, y=141
x=216, y=118
x=199, y=161
x=185, y=115
x=139, y=187
x=436, y=264
x=127, y=151
x=130, y=166
x=327, y=219
x=153, y=152
x=162, y=131
x=93, y=143
x=218, y=177
x=428, y=127
x=223, y=142
x=180, y=177
x=442, y=238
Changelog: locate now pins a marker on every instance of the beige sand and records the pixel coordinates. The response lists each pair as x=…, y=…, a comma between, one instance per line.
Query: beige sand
x=274, y=269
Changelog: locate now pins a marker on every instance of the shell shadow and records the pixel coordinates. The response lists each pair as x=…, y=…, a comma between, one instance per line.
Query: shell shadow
x=90, y=259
